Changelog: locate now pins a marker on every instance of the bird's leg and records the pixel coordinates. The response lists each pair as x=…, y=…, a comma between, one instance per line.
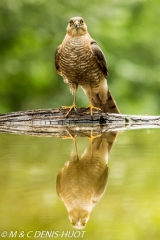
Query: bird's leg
x=75, y=147
x=91, y=138
x=73, y=105
x=75, y=152
x=91, y=105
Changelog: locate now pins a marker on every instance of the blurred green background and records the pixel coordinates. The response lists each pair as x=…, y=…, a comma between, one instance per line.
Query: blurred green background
x=127, y=31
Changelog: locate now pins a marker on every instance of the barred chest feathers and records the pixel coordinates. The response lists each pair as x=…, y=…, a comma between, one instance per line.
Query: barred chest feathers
x=77, y=62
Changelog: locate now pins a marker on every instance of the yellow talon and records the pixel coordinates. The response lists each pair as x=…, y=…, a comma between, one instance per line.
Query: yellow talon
x=91, y=138
x=70, y=108
x=70, y=136
x=93, y=107
x=74, y=140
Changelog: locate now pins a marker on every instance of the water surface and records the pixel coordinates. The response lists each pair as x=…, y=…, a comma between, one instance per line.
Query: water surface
x=128, y=209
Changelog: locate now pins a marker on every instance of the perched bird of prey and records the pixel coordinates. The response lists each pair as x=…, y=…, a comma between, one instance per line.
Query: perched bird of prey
x=81, y=62
x=82, y=181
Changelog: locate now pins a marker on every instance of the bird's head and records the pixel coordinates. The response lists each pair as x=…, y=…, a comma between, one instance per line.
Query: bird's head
x=76, y=27
x=78, y=218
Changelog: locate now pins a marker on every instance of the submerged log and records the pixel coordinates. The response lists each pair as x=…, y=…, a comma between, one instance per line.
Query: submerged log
x=53, y=122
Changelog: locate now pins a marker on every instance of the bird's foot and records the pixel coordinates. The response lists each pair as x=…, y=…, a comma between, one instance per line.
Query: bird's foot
x=70, y=136
x=70, y=109
x=93, y=107
x=91, y=138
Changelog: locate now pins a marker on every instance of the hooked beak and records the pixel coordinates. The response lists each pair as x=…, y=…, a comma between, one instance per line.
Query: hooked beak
x=76, y=24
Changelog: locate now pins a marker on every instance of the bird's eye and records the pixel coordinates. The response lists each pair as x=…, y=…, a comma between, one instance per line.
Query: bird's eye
x=71, y=22
x=81, y=21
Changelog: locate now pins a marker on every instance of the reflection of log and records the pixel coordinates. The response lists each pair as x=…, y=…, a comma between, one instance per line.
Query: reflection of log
x=79, y=122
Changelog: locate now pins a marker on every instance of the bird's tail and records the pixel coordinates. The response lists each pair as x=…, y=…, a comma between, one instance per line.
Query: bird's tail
x=109, y=106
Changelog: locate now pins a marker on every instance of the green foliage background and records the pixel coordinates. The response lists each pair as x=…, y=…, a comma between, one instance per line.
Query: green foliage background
x=127, y=31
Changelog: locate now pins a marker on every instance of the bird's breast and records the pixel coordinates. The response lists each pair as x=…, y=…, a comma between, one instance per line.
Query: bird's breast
x=77, y=61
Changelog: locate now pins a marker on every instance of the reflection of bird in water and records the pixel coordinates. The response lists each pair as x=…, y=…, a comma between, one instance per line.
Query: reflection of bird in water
x=81, y=62
x=82, y=181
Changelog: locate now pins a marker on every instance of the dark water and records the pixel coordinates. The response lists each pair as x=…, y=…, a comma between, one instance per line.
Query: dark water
x=125, y=202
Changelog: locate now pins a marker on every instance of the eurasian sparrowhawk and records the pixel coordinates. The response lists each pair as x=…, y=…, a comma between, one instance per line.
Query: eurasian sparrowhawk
x=81, y=62
x=82, y=181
